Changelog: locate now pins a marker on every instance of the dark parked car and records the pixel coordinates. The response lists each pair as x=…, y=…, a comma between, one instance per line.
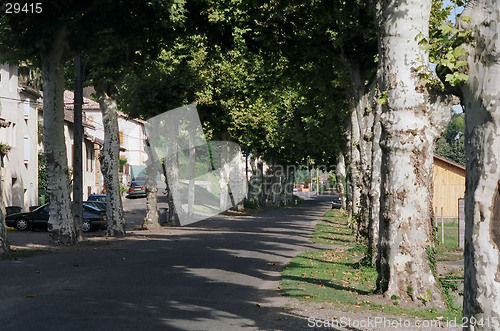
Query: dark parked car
x=137, y=189
x=96, y=204
x=336, y=203
x=93, y=219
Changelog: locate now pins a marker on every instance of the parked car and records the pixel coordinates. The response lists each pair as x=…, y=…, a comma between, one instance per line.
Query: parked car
x=96, y=204
x=137, y=189
x=93, y=219
x=13, y=209
x=336, y=203
x=98, y=197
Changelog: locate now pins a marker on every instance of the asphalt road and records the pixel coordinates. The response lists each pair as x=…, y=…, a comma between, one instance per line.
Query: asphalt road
x=219, y=274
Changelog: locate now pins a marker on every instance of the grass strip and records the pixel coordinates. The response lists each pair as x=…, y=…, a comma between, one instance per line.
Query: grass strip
x=336, y=276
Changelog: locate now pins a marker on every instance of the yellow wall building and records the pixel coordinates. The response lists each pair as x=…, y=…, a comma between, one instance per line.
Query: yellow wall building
x=449, y=186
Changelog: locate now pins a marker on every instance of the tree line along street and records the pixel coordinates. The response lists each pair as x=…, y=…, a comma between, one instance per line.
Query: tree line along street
x=365, y=89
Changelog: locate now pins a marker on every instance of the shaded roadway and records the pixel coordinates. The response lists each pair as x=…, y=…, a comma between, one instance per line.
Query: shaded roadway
x=219, y=274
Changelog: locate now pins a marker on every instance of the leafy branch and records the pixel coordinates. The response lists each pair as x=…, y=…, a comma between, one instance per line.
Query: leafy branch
x=446, y=43
x=450, y=56
x=445, y=46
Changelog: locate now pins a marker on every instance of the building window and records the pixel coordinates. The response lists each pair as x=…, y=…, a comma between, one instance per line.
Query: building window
x=27, y=108
x=26, y=149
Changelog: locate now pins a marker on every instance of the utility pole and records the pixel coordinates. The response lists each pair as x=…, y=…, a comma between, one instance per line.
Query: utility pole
x=77, y=147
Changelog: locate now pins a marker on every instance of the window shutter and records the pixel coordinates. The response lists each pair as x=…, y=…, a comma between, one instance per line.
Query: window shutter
x=27, y=108
x=26, y=149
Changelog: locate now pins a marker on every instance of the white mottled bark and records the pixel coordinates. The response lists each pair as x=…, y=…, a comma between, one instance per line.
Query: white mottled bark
x=353, y=173
x=192, y=164
x=172, y=171
x=4, y=244
x=151, y=220
x=340, y=175
x=374, y=195
x=110, y=161
x=412, y=119
x=365, y=111
x=61, y=226
x=287, y=183
x=481, y=100
x=237, y=182
x=224, y=177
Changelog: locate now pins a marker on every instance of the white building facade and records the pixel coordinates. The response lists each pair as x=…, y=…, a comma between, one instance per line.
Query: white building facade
x=132, y=136
x=92, y=177
x=19, y=130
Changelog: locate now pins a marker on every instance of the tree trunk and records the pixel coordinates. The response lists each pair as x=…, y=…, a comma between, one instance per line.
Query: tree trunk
x=173, y=218
x=61, y=225
x=172, y=171
x=225, y=203
x=374, y=195
x=4, y=244
x=254, y=182
x=236, y=179
x=410, y=126
x=287, y=183
x=261, y=180
x=481, y=100
x=151, y=221
x=362, y=121
x=110, y=159
x=340, y=176
x=346, y=163
x=192, y=164
x=353, y=173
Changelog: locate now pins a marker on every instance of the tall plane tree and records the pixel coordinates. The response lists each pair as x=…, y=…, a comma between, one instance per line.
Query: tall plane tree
x=126, y=34
x=414, y=115
x=43, y=39
x=481, y=100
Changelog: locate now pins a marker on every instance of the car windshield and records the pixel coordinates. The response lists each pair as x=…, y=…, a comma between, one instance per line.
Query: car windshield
x=95, y=197
x=139, y=179
x=91, y=209
x=43, y=209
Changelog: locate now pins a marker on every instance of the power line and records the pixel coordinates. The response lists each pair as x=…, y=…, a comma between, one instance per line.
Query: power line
x=14, y=99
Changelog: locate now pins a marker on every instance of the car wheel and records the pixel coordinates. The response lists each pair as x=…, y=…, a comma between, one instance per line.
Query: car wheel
x=22, y=224
x=86, y=226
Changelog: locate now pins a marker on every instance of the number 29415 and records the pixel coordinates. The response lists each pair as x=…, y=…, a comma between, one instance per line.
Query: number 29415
x=27, y=8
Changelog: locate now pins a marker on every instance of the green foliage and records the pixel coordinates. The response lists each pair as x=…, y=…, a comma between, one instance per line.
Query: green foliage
x=445, y=44
x=431, y=257
x=252, y=78
x=382, y=99
x=4, y=149
x=452, y=143
x=425, y=297
x=252, y=203
x=122, y=161
x=448, y=287
x=42, y=172
x=409, y=291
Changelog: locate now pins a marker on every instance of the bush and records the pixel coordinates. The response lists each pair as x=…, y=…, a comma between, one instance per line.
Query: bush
x=252, y=203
